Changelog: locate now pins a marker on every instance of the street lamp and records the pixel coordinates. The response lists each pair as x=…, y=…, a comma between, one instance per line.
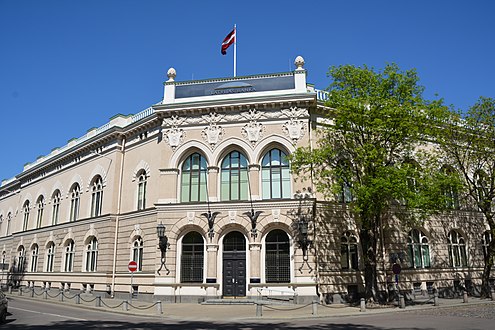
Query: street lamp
x=163, y=244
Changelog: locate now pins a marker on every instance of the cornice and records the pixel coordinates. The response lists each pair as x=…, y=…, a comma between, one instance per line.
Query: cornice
x=261, y=102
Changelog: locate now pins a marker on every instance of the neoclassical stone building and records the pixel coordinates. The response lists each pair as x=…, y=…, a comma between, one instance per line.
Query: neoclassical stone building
x=209, y=163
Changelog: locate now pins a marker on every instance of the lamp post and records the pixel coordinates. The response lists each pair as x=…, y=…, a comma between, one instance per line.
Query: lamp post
x=163, y=244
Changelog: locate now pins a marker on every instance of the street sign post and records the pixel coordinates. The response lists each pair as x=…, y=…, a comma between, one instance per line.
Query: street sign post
x=132, y=266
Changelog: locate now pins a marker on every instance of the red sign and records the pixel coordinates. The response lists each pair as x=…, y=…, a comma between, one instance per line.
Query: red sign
x=132, y=266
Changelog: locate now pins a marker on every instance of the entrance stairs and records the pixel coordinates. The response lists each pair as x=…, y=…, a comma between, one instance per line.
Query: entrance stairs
x=247, y=301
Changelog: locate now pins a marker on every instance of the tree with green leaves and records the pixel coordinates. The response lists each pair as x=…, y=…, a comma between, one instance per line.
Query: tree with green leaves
x=468, y=142
x=374, y=124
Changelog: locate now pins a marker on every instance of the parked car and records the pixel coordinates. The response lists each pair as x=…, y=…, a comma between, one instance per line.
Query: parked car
x=3, y=307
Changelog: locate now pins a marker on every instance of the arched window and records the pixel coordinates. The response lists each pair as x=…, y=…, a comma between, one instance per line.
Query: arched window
x=275, y=175
x=21, y=259
x=277, y=258
x=91, y=255
x=193, y=180
x=141, y=191
x=234, y=177
x=450, y=191
x=40, y=204
x=55, y=206
x=75, y=196
x=69, y=256
x=192, y=258
x=418, y=249
x=50, y=256
x=485, y=242
x=34, y=258
x=457, y=250
x=25, y=222
x=96, y=196
x=137, y=252
x=348, y=251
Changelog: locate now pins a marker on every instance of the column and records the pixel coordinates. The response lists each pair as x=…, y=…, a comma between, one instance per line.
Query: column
x=213, y=183
x=255, y=259
x=211, y=270
x=254, y=181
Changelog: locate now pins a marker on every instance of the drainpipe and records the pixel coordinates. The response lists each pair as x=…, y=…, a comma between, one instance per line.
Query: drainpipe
x=117, y=217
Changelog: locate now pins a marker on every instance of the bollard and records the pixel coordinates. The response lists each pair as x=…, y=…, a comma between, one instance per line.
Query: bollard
x=98, y=301
x=20, y=291
x=259, y=310
x=10, y=289
x=32, y=292
x=124, y=306
x=465, y=297
x=435, y=299
x=402, y=301
x=78, y=298
x=314, y=306
x=363, y=305
x=45, y=294
x=159, y=309
x=61, y=295
x=493, y=293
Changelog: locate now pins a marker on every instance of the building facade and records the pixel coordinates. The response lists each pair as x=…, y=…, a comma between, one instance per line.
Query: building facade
x=208, y=164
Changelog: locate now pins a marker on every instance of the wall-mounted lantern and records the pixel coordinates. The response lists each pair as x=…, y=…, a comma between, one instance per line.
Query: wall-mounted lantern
x=163, y=244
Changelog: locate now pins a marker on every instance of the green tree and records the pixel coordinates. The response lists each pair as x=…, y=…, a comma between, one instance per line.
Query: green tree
x=468, y=142
x=375, y=122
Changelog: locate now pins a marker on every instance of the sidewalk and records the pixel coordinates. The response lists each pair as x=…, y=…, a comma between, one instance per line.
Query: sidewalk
x=231, y=312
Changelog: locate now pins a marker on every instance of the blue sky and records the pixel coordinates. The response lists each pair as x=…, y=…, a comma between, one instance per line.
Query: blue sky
x=67, y=66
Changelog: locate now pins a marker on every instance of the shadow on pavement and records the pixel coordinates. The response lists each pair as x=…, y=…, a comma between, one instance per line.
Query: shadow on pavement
x=186, y=325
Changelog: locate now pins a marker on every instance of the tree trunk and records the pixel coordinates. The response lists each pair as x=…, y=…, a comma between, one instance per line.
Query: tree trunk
x=368, y=240
x=485, y=284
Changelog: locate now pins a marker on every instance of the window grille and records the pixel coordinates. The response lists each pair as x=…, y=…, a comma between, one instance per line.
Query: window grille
x=277, y=259
x=192, y=258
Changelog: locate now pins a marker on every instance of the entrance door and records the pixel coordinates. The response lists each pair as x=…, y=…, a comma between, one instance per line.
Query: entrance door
x=234, y=265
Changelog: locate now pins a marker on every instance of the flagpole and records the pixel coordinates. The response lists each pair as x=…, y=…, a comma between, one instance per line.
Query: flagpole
x=235, y=49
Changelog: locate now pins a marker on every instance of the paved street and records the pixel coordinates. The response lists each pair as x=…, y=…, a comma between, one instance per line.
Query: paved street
x=36, y=314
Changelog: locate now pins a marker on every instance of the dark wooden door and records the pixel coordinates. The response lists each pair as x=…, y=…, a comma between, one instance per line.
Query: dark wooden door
x=234, y=265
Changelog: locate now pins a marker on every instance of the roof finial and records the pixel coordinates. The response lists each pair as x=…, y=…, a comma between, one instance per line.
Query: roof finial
x=299, y=62
x=171, y=74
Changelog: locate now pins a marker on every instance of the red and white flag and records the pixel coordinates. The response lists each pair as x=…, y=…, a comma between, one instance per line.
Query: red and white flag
x=229, y=40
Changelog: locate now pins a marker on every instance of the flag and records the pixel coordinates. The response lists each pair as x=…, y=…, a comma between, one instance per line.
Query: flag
x=229, y=40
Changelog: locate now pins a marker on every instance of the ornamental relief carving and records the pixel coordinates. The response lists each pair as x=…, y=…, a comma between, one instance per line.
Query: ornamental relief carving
x=174, y=136
x=295, y=127
x=213, y=134
x=252, y=131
